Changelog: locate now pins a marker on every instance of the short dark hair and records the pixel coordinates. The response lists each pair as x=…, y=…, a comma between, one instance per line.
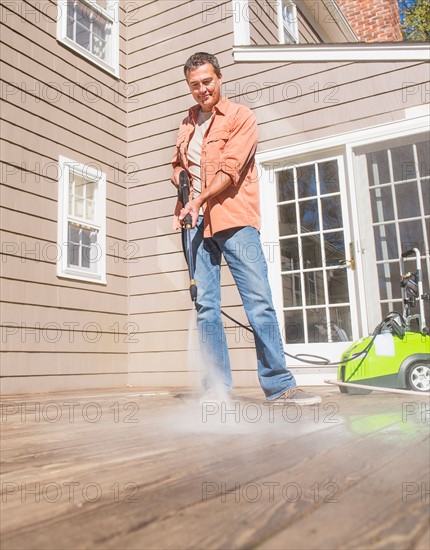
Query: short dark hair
x=200, y=58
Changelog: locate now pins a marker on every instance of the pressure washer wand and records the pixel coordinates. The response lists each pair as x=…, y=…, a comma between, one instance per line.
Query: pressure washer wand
x=183, y=195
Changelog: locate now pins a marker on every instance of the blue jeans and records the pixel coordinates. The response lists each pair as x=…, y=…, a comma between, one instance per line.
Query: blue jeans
x=242, y=250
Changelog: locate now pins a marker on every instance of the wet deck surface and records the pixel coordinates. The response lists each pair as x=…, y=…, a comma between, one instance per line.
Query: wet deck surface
x=140, y=469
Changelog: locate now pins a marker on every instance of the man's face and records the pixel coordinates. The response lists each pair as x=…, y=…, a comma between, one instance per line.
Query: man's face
x=205, y=86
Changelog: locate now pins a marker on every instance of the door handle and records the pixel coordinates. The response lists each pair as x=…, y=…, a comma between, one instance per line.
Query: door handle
x=350, y=264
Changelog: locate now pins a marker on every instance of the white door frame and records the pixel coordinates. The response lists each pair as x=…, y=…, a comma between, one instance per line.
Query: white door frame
x=416, y=121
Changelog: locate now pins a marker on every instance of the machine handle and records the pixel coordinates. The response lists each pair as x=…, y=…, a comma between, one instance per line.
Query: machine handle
x=410, y=252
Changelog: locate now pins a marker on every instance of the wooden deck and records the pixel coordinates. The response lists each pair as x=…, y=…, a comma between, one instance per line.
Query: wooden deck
x=138, y=469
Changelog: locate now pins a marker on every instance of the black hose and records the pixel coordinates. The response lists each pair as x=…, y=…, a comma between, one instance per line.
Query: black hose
x=321, y=361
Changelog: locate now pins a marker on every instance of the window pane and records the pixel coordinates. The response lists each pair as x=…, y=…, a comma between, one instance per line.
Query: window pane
x=334, y=248
x=82, y=36
x=100, y=30
x=329, y=177
x=286, y=185
x=292, y=290
x=386, y=242
x=340, y=324
x=311, y=250
x=377, y=168
x=411, y=234
x=425, y=188
x=294, y=331
x=423, y=153
x=73, y=246
x=317, y=325
x=389, y=281
x=306, y=182
x=403, y=163
x=287, y=220
x=408, y=205
x=70, y=20
x=314, y=288
x=289, y=254
x=309, y=220
x=74, y=233
x=337, y=283
x=382, y=204
x=331, y=211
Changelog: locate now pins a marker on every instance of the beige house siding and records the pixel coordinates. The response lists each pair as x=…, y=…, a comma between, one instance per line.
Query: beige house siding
x=57, y=333
x=142, y=316
x=293, y=102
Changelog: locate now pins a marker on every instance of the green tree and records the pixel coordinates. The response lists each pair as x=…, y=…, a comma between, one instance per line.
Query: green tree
x=415, y=18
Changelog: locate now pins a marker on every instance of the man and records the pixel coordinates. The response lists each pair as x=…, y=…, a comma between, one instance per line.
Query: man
x=216, y=145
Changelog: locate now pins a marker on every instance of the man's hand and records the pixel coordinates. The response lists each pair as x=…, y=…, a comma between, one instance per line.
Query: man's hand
x=193, y=208
x=175, y=175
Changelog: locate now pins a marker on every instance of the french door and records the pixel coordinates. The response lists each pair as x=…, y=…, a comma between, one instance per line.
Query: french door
x=394, y=191
x=313, y=279
x=335, y=226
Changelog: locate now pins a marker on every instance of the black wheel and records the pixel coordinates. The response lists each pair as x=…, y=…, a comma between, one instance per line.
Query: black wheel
x=418, y=377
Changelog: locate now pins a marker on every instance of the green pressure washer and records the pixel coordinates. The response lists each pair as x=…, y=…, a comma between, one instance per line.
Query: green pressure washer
x=397, y=355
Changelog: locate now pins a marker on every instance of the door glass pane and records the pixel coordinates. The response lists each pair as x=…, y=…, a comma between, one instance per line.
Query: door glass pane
x=337, y=284
x=329, y=177
x=386, y=242
x=311, y=250
x=285, y=185
x=314, y=288
x=292, y=290
x=289, y=254
x=306, y=181
x=287, y=219
x=317, y=325
x=378, y=168
x=309, y=220
x=425, y=186
x=293, y=329
x=340, y=329
x=389, y=281
x=382, y=204
x=407, y=200
x=423, y=155
x=411, y=235
x=334, y=248
x=331, y=212
x=403, y=160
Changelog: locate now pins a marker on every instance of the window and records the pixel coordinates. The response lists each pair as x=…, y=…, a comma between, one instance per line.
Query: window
x=91, y=28
x=81, y=222
x=288, y=32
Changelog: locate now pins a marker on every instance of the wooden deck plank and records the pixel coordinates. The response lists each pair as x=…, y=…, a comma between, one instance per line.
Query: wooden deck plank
x=170, y=457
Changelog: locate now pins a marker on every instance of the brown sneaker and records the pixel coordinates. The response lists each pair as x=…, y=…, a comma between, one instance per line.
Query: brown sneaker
x=298, y=396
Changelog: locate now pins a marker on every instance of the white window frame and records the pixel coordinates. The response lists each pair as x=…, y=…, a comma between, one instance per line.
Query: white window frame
x=288, y=28
x=111, y=14
x=98, y=224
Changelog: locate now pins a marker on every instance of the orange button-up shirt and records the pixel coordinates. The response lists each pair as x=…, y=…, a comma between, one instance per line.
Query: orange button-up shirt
x=229, y=145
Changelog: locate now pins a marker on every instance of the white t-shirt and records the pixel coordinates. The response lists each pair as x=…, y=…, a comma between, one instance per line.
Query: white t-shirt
x=195, y=149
